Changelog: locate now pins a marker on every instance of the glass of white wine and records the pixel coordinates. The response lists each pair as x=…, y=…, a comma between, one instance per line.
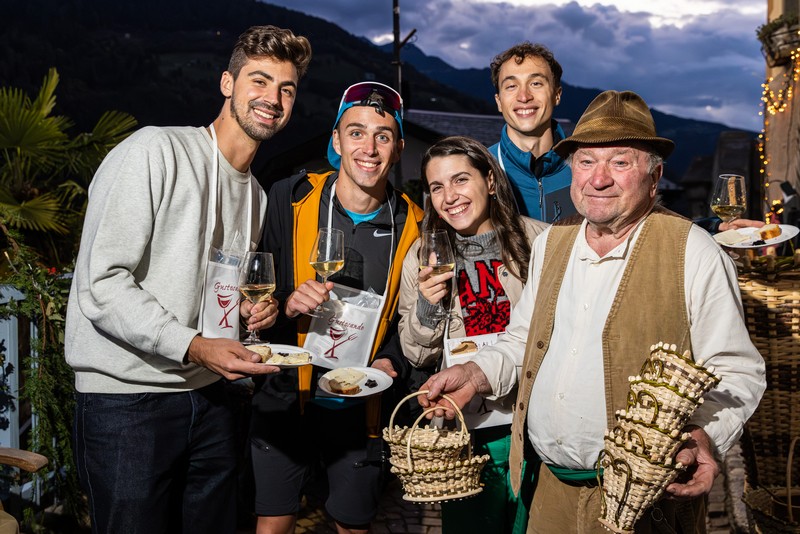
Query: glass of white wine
x=327, y=257
x=729, y=197
x=257, y=282
x=435, y=251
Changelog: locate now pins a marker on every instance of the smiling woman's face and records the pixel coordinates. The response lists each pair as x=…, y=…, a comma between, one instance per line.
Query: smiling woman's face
x=460, y=193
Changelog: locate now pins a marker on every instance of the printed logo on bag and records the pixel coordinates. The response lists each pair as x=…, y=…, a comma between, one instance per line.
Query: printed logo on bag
x=226, y=302
x=337, y=330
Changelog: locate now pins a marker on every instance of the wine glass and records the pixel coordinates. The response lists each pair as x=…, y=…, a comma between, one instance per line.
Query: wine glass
x=435, y=251
x=729, y=198
x=257, y=282
x=327, y=257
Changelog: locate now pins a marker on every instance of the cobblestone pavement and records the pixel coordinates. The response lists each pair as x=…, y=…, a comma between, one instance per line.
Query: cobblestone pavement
x=726, y=512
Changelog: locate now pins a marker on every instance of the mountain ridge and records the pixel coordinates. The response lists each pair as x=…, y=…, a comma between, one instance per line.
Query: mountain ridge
x=160, y=61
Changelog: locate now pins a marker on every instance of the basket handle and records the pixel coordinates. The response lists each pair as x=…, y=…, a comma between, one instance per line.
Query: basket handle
x=415, y=427
x=789, y=478
x=416, y=394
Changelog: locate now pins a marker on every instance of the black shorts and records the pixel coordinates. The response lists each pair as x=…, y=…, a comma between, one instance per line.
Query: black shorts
x=286, y=448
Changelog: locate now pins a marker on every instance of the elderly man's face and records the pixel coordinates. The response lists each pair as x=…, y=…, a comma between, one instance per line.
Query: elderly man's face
x=611, y=185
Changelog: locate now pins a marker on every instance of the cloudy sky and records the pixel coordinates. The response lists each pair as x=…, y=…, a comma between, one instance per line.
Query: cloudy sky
x=692, y=58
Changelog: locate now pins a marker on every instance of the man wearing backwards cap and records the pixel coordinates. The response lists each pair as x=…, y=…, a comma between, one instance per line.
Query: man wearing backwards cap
x=291, y=431
x=604, y=286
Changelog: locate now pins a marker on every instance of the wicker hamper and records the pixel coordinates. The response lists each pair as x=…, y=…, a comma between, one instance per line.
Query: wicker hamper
x=772, y=313
x=433, y=464
x=775, y=510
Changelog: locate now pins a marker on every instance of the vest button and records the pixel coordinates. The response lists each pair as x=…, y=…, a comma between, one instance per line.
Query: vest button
x=521, y=405
x=540, y=344
x=529, y=374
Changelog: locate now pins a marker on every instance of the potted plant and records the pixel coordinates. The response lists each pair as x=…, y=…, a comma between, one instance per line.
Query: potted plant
x=779, y=38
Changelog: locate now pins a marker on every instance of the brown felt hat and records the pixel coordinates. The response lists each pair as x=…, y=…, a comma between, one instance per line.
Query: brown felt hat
x=615, y=116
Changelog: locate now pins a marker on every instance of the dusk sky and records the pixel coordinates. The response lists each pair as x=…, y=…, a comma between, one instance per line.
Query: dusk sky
x=692, y=58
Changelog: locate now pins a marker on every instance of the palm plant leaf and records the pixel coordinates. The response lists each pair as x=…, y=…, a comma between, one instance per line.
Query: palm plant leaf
x=43, y=213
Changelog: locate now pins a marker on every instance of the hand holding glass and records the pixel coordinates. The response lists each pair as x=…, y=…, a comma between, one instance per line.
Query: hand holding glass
x=729, y=199
x=257, y=282
x=327, y=257
x=435, y=251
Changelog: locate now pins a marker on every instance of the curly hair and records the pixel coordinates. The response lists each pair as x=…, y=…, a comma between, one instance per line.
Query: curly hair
x=522, y=51
x=270, y=41
x=514, y=244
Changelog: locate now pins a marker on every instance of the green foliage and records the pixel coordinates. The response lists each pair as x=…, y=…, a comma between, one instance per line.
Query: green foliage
x=48, y=378
x=45, y=173
x=764, y=31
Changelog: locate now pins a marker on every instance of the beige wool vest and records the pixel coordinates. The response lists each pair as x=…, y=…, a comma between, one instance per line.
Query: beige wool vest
x=649, y=306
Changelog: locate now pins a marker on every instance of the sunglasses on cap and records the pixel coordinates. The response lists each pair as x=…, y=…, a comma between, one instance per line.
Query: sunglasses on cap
x=373, y=94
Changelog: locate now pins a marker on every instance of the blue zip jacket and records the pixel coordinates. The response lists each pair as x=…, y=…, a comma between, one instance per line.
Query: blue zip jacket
x=541, y=185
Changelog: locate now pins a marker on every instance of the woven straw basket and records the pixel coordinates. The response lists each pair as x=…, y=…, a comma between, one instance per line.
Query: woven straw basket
x=776, y=510
x=772, y=314
x=433, y=464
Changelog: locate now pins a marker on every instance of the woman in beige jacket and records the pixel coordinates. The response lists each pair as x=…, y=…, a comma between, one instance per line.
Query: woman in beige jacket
x=470, y=197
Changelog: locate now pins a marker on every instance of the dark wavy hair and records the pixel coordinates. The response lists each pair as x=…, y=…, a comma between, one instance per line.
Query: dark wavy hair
x=521, y=51
x=270, y=41
x=514, y=244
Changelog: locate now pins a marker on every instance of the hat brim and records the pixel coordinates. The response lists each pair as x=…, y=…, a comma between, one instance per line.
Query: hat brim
x=565, y=147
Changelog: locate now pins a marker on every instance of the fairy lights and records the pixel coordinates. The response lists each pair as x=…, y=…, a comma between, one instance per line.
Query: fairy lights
x=775, y=102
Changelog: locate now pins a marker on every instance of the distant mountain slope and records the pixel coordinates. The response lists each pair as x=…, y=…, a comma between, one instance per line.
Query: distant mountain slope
x=692, y=137
x=160, y=60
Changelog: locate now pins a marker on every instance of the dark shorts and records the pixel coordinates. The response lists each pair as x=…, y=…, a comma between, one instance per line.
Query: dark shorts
x=287, y=448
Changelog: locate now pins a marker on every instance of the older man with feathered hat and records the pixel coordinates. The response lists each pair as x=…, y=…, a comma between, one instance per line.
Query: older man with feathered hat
x=604, y=286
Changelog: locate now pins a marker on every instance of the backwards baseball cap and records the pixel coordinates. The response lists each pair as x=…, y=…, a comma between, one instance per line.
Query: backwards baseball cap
x=382, y=97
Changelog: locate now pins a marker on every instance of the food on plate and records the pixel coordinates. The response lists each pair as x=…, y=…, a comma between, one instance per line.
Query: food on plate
x=262, y=350
x=289, y=358
x=464, y=347
x=730, y=237
x=371, y=383
x=769, y=231
x=344, y=381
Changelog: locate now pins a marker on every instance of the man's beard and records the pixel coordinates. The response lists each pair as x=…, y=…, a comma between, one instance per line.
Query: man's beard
x=258, y=132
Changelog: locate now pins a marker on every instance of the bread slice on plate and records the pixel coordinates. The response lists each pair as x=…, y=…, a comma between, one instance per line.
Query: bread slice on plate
x=769, y=231
x=262, y=350
x=345, y=380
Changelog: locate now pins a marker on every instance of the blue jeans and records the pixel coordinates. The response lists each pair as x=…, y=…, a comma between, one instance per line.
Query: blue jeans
x=155, y=463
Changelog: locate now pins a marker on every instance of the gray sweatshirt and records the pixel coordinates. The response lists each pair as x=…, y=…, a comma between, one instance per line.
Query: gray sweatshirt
x=135, y=297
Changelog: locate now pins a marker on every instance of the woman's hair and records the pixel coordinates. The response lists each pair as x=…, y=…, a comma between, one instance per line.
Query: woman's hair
x=515, y=247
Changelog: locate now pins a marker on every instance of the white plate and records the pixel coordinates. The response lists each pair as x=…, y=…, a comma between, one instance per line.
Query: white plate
x=787, y=232
x=287, y=349
x=383, y=380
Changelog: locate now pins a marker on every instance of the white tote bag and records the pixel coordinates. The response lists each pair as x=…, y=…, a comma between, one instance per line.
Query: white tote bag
x=343, y=334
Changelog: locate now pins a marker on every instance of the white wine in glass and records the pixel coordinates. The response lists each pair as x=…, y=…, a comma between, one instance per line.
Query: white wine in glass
x=257, y=282
x=435, y=252
x=729, y=198
x=327, y=257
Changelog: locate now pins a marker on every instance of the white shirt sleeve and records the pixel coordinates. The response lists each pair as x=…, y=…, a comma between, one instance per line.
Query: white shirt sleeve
x=721, y=340
x=501, y=362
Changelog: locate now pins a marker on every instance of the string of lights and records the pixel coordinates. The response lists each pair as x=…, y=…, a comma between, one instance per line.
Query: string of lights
x=774, y=102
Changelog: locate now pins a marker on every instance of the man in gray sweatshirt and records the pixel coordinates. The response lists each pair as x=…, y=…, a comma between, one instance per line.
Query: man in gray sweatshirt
x=154, y=434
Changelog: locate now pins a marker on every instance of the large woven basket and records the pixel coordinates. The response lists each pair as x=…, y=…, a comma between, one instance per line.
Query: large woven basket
x=433, y=464
x=772, y=314
x=776, y=510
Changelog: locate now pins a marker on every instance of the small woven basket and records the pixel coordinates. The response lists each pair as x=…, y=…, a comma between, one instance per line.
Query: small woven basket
x=776, y=510
x=771, y=302
x=670, y=368
x=637, y=458
x=433, y=464
x=659, y=405
x=655, y=444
